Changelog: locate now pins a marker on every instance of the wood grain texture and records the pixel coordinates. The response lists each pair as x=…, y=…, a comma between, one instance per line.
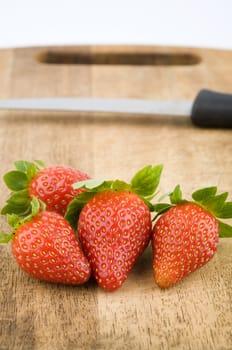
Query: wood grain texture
x=195, y=314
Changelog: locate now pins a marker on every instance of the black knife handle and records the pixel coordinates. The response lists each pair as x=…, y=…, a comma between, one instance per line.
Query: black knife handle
x=212, y=109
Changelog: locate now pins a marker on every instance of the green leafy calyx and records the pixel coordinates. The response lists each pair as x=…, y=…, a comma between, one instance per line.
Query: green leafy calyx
x=18, y=181
x=217, y=205
x=15, y=221
x=144, y=183
x=207, y=198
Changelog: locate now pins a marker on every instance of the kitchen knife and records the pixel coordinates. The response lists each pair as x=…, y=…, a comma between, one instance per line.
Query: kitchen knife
x=209, y=109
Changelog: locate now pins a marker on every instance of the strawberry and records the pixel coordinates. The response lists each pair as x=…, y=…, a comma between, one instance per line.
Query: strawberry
x=114, y=224
x=114, y=229
x=52, y=185
x=186, y=235
x=44, y=245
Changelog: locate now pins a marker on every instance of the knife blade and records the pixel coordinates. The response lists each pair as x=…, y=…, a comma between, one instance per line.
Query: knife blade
x=209, y=108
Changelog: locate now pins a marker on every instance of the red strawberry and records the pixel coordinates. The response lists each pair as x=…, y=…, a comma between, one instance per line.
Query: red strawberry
x=114, y=228
x=114, y=225
x=52, y=185
x=185, y=237
x=46, y=248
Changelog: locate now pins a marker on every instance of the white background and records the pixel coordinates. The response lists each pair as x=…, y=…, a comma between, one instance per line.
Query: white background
x=198, y=23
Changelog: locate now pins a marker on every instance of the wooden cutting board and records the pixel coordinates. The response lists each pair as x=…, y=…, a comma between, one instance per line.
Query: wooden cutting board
x=196, y=313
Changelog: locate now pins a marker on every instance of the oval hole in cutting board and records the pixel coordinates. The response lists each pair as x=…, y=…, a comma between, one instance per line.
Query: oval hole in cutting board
x=119, y=58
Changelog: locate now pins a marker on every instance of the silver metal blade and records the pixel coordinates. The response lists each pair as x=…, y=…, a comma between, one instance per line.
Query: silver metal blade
x=128, y=106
